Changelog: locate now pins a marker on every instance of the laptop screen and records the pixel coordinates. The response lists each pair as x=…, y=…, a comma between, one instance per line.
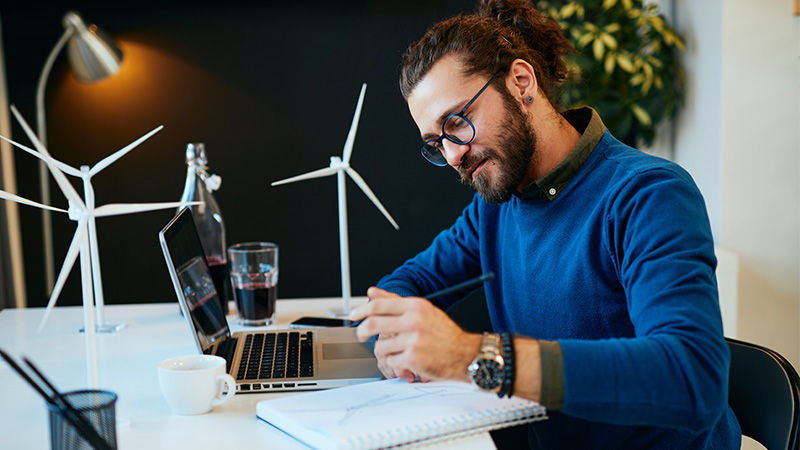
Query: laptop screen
x=192, y=279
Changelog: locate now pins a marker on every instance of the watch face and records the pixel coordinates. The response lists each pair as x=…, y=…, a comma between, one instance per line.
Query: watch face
x=487, y=373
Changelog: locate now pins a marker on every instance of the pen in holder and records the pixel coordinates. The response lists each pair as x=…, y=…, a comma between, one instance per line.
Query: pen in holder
x=97, y=407
x=90, y=424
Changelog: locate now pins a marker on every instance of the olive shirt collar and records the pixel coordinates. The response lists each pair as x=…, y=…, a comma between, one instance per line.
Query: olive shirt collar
x=587, y=122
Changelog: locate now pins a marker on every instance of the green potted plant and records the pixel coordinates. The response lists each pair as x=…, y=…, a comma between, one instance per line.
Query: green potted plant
x=626, y=65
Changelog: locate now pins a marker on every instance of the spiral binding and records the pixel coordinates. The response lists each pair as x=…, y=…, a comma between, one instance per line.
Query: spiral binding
x=448, y=428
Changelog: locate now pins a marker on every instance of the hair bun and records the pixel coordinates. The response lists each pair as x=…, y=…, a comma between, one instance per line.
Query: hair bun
x=538, y=31
x=511, y=12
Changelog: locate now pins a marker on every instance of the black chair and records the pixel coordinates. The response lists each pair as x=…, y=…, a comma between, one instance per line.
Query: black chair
x=764, y=393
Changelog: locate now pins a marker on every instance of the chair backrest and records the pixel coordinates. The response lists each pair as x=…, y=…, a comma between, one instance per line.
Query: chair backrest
x=764, y=393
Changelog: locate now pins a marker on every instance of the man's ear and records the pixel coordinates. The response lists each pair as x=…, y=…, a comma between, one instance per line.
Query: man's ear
x=521, y=81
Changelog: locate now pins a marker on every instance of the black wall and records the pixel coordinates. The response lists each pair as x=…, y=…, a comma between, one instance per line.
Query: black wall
x=270, y=87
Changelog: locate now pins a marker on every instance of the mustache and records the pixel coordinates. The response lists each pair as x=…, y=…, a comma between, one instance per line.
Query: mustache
x=471, y=159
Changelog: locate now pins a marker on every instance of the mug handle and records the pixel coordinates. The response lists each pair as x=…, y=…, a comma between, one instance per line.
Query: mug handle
x=231, y=383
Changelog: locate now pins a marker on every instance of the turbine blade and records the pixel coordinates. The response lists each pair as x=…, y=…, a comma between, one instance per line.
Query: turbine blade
x=61, y=179
x=351, y=136
x=118, y=209
x=72, y=254
x=25, y=201
x=111, y=159
x=363, y=185
x=63, y=167
x=315, y=174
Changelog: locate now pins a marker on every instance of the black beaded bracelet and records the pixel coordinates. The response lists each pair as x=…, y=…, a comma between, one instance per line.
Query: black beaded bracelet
x=507, y=388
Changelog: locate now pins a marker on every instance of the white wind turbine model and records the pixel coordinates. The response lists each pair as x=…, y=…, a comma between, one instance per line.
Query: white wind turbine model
x=340, y=166
x=85, y=174
x=84, y=214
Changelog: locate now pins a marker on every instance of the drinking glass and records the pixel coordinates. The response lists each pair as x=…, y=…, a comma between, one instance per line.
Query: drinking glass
x=254, y=277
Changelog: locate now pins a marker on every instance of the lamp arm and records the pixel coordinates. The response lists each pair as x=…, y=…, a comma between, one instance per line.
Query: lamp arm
x=44, y=175
x=40, y=88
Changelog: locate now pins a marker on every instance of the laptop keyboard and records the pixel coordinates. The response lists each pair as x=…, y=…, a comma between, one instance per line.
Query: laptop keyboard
x=226, y=349
x=285, y=354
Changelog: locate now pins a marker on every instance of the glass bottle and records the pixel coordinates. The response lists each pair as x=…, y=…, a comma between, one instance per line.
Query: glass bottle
x=208, y=217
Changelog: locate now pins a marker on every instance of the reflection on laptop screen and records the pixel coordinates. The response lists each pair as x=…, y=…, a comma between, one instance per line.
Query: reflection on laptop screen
x=197, y=286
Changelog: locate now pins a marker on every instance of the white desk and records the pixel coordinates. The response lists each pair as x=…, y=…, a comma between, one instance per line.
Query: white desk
x=127, y=366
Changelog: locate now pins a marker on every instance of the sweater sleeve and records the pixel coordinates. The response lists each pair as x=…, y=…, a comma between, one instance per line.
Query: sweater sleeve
x=674, y=371
x=452, y=257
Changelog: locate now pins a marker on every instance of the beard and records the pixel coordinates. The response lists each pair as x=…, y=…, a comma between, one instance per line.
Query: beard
x=512, y=155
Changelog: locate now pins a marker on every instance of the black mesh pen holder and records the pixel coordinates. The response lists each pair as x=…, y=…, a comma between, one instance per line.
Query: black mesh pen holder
x=97, y=407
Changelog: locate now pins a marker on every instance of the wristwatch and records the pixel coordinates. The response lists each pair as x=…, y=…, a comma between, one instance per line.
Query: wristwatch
x=487, y=370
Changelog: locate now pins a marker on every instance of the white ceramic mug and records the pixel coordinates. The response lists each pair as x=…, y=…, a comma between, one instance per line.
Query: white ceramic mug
x=194, y=384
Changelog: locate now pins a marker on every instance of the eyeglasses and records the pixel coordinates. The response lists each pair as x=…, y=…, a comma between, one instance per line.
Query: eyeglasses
x=456, y=128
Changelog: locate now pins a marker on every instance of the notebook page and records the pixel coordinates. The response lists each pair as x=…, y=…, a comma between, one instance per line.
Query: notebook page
x=391, y=412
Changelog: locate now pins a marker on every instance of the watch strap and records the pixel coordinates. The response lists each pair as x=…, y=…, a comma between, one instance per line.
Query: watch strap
x=507, y=388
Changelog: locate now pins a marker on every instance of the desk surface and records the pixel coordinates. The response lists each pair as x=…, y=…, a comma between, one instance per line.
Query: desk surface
x=127, y=362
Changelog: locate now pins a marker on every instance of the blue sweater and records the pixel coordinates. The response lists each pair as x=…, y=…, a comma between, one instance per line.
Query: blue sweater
x=619, y=270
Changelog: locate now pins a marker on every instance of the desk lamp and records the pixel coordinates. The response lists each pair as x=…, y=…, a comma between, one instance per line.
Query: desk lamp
x=93, y=57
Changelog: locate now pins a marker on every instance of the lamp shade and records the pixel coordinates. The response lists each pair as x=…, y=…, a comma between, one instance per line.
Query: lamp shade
x=92, y=54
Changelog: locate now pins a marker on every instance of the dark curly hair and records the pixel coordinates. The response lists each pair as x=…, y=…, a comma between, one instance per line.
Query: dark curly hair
x=487, y=41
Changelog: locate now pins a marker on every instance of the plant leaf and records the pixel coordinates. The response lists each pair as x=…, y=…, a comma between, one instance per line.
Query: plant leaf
x=658, y=23
x=585, y=39
x=648, y=82
x=598, y=49
x=679, y=43
x=648, y=70
x=625, y=63
x=607, y=4
x=641, y=115
x=655, y=62
x=612, y=28
x=610, y=62
x=609, y=40
x=568, y=10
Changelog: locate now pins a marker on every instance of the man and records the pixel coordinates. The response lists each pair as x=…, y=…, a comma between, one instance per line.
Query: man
x=603, y=255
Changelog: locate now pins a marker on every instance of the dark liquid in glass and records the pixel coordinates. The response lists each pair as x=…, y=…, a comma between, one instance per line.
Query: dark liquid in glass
x=255, y=301
x=219, y=274
x=207, y=315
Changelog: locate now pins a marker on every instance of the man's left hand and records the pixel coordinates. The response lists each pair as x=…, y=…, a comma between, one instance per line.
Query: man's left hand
x=416, y=337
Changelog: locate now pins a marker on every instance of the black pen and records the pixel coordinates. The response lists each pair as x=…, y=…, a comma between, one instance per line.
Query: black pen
x=449, y=290
x=460, y=286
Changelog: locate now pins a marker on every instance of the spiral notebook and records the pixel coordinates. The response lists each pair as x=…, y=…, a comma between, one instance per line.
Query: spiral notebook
x=392, y=413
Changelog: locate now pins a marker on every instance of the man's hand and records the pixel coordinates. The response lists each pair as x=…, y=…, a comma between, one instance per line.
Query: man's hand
x=416, y=338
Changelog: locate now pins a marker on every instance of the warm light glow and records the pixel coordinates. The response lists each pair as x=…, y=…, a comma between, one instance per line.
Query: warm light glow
x=151, y=88
x=129, y=86
x=149, y=81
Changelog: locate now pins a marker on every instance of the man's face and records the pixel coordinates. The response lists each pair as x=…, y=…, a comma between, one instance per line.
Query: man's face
x=497, y=160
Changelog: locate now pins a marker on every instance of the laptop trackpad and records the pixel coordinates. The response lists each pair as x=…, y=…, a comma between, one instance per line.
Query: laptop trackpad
x=348, y=350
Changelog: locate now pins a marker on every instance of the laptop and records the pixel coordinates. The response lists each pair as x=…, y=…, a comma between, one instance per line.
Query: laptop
x=262, y=360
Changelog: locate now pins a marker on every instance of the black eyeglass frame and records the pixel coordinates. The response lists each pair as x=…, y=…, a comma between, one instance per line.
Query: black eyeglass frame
x=434, y=154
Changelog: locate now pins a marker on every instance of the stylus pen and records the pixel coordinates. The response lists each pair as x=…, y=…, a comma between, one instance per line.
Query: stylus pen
x=460, y=286
x=449, y=290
